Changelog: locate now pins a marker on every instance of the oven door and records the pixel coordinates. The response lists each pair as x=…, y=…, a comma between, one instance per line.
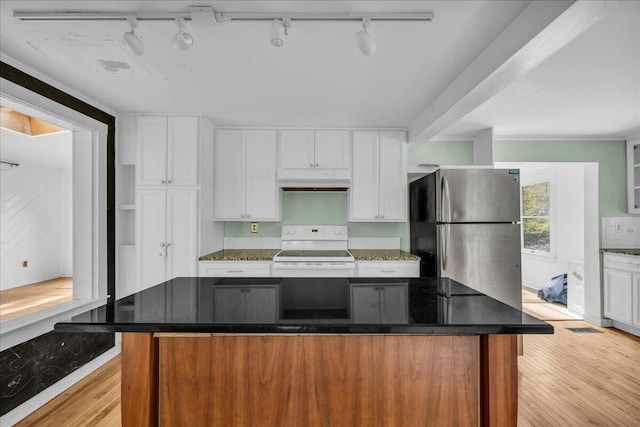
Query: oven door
x=313, y=269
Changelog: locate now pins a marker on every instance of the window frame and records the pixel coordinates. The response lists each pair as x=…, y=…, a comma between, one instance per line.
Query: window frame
x=533, y=178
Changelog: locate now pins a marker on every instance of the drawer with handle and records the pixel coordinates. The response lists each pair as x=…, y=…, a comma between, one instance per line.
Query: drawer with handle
x=234, y=269
x=387, y=269
x=622, y=262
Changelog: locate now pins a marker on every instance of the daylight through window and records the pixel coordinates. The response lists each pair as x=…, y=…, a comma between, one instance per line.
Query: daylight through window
x=536, y=219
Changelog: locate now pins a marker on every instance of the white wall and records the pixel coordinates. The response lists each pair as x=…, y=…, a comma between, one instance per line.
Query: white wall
x=569, y=214
x=36, y=221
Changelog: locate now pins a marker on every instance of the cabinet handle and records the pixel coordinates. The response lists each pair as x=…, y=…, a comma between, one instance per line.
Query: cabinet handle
x=163, y=181
x=310, y=165
x=235, y=271
x=168, y=244
x=162, y=245
x=169, y=181
x=247, y=216
x=247, y=290
x=387, y=271
x=381, y=216
x=317, y=165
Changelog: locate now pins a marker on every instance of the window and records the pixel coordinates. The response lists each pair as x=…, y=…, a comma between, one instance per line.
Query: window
x=537, y=224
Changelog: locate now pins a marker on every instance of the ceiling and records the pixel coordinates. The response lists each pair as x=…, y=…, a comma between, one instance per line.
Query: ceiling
x=319, y=78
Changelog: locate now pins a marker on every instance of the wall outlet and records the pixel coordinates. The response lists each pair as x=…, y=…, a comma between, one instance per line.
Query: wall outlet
x=25, y=264
x=254, y=227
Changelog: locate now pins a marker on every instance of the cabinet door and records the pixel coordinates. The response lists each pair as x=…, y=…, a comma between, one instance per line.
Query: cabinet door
x=152, y=151
x=332, y=149
x=393, y=176
x=261, y=304
x=363, y=195
x=228, y=304
x=636, y=299
x=617, y=295
x=151, y=237
x=296, y=149
x=365, y=304
x=229, y=174
x=182, y=233
x=261, y=186
x=393, y=304
x=182, y=146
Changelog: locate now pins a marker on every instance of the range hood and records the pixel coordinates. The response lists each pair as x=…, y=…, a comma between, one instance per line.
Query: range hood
x=314, y=179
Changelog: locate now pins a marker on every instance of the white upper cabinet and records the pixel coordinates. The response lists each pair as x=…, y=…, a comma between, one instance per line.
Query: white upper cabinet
x=302, y=149
x=379, y=185
x=167, y=150
x=245, y=175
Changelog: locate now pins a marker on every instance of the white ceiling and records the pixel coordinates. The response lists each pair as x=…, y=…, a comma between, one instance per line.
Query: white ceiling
x=319, y=78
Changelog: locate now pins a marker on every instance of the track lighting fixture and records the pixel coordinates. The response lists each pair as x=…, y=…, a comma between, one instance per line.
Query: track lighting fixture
x=279, y=31
x=181, y=40
x=206, y=16
x=365, y=41
x=133, y=42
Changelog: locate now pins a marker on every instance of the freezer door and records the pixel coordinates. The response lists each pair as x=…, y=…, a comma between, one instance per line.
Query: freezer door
x=485, y=257
x=478, y=195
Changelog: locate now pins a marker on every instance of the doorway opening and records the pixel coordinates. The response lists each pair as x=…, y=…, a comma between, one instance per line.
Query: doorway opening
x=559, y=217
x=36, y=213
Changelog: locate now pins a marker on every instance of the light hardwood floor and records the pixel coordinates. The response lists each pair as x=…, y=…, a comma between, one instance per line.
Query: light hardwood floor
x=565, y=379
x=543, y=310
x=27, y=299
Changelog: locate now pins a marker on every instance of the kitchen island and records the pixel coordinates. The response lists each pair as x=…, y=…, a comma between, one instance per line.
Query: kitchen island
x=306, y=352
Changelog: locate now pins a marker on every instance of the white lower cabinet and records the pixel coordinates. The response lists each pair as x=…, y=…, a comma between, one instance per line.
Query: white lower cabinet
x=234, y=269
x=167, y=234
x=622, y=288
x=387, y=269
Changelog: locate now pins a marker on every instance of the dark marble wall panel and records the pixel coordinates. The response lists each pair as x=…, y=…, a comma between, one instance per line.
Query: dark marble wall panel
x=30, y=367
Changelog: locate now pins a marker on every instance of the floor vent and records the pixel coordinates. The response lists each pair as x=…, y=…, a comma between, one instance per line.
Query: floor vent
x=584, y=330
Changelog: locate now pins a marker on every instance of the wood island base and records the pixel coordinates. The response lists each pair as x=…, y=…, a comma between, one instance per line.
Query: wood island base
x=318, y=380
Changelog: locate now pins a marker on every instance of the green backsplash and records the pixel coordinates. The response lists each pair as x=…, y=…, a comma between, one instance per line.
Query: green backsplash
x=320, y=208
x=330, y=208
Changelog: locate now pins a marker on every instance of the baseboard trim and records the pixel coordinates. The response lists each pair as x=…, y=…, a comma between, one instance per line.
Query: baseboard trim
x=14, y=416
x=598, y=321
x=627, y=328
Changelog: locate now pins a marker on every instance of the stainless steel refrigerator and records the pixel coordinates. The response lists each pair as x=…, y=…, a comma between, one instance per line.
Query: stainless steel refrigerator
x=465, y=225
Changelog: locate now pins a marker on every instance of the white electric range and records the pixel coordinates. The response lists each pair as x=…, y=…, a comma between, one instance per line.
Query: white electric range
x=314, y=251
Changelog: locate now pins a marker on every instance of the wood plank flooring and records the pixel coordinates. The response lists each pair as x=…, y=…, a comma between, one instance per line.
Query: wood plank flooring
x=16, y=302
x=565, y=379
x=543, y=310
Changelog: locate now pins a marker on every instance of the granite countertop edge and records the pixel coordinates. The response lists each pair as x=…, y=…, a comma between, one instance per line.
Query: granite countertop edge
x=629, y=251
x=268, y=254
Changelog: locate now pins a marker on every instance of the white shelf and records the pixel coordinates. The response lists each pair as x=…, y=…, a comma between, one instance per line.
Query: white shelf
x=127, y=207
x=127, y=247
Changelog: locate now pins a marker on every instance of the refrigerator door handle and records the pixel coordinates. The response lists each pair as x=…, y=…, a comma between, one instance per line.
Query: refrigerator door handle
x=445, y=245
x=446, y=200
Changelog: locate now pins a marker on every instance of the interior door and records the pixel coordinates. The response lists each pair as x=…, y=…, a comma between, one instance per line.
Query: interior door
x=485, y=257
x=478, y=195
x=151, y=236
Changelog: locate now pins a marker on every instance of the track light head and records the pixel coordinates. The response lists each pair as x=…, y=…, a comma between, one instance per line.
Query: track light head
x=181, y=40
x=365, y=41
x=279, y=31
x=133, y=42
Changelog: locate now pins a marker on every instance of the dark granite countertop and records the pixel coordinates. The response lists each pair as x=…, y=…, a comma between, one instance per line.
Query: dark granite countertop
x=241, y=255
x=634, y=252
x=308, y=305
x=382, y=255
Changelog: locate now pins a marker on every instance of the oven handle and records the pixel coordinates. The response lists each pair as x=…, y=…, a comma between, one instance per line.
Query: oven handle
x=314, y=265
